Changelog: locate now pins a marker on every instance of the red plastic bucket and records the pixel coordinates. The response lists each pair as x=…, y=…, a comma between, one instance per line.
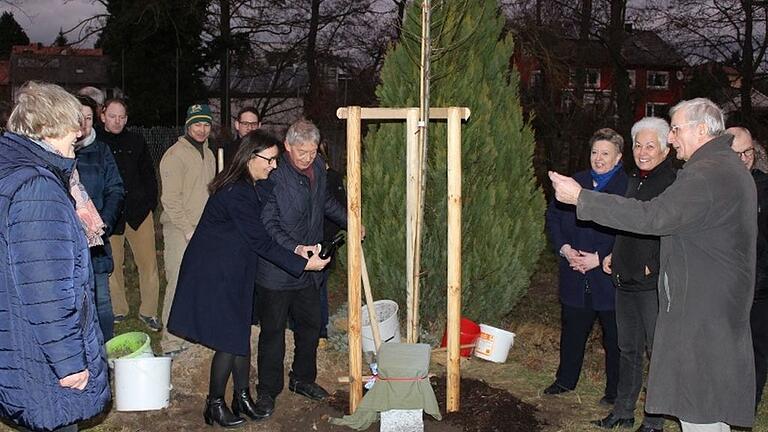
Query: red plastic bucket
x=469, y=332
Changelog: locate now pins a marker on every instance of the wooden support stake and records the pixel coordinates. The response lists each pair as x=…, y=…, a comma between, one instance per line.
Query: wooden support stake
x=454, y=259
x=412, y=188
x=354, y=224
x=372, y=317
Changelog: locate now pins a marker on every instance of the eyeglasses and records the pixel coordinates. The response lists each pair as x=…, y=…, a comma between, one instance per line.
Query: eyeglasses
x=248, y=124
x=746, y=153
x=676, y=128
x=269, y=160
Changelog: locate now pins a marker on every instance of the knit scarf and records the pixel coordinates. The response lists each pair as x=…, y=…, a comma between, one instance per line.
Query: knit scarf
x=90, y=220
x=601, y=180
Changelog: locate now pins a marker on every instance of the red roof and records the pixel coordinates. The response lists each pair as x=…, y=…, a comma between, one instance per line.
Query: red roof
x=39, y=49
x=5, y=67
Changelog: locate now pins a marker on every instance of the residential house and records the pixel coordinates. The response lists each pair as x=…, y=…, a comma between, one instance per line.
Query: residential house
x=655, y=69
x=71, y=68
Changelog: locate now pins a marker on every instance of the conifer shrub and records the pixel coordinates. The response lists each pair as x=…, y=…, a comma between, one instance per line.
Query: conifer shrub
x=502, y=208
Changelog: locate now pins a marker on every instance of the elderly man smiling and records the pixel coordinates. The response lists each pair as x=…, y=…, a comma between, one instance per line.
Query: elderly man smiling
x=702, y=363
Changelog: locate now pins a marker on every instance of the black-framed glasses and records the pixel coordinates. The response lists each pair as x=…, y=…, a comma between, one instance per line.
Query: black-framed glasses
x=268, y=159
x=746, y=153
x=250, y=124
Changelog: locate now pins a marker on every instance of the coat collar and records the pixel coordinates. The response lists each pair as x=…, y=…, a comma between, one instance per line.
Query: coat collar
x=31, y=154
x=714, y=146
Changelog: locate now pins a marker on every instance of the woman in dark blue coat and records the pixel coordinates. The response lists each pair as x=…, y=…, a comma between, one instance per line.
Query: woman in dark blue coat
x=101, y=178
x=586, y=292
x=214, y=297
x=53, y=369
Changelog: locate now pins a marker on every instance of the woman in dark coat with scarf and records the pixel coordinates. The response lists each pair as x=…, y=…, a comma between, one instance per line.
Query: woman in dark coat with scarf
x=586, y=293
x=53, y=369
x=214, y=297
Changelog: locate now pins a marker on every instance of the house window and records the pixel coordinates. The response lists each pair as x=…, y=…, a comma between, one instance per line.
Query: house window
x=631, y=74
x=653, y=109
x=591, y=78
x=658, y=79
x=536, y=79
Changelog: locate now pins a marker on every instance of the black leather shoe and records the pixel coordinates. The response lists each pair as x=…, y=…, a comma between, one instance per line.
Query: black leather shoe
x=242, y=403
x=556, y=388
x=644, y=428
x=612, y=421
x=216, y=410
x=310, y=390
x=607, y=400
x=264, y=407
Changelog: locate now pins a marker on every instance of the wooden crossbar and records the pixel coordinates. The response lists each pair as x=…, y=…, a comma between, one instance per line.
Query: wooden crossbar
x=399, y=113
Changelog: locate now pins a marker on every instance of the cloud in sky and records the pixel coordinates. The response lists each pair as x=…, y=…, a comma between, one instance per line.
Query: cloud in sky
x=42, y=19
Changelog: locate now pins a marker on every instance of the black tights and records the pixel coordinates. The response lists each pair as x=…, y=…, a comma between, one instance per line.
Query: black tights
x=224, y=364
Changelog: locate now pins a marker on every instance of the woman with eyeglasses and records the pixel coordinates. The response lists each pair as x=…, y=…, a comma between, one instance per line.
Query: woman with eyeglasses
x=213, y=305
x=586, y=293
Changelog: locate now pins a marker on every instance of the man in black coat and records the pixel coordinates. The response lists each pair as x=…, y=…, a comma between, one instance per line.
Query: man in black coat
x=745, y=147
x=137, y=225
x=293, y=214
x=247, y=120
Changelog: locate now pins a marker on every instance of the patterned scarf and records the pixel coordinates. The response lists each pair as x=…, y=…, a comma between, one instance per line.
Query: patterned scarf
x=93, y=226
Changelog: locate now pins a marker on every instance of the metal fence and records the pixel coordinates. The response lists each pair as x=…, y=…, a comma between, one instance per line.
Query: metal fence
x=158, y=138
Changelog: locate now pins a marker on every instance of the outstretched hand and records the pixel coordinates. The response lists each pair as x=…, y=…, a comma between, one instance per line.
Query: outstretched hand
x=567, y=190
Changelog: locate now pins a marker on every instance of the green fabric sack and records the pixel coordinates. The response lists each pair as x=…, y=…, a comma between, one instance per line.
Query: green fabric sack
x=403, y=383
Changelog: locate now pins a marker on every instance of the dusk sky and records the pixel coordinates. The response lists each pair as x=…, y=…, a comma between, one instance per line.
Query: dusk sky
x=42, y=19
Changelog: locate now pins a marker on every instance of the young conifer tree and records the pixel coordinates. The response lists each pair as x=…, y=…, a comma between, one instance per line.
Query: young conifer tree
x=502, y=209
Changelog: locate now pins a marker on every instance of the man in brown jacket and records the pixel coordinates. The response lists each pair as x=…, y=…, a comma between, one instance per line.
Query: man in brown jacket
x=702, y=369
x=185, y=171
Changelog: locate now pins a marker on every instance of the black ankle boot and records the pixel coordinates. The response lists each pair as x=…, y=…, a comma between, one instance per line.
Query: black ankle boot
x=242, y=403
x=216, y=411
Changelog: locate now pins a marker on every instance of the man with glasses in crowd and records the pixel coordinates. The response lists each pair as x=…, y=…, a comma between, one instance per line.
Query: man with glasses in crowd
x=247, y=120
x=702, y=369
x=745, y=148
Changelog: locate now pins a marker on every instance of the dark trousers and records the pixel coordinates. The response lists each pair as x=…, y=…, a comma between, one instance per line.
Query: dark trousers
x=759, y=323
x=324, y=313
x=636, y=313
x=575, y=329
x=104, y=305
x=274, y=308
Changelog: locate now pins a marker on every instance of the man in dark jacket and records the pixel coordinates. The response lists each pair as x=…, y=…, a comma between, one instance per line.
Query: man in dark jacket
x=745, y=148
x=293, y=215
x=137, y=226
x=247, y=120
x=702, y=362
x=634, y=266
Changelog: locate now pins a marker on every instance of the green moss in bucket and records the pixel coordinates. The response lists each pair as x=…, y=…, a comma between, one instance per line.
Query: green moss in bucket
x=127, y=345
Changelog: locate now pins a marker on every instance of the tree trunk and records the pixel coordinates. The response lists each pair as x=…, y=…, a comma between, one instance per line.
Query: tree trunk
x=224, y=76
x=747, y=62
x=311, y=59
x=623, y=111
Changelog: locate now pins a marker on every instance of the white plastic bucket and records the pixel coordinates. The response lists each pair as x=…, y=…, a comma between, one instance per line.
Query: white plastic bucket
x=389, y=326
x=493, y=344
x=142, y=384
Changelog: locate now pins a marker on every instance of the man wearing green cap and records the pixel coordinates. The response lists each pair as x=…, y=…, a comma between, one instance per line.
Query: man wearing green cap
x=185, y=171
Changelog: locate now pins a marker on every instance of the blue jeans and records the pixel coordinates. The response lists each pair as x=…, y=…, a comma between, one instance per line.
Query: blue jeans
x=104, y=305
